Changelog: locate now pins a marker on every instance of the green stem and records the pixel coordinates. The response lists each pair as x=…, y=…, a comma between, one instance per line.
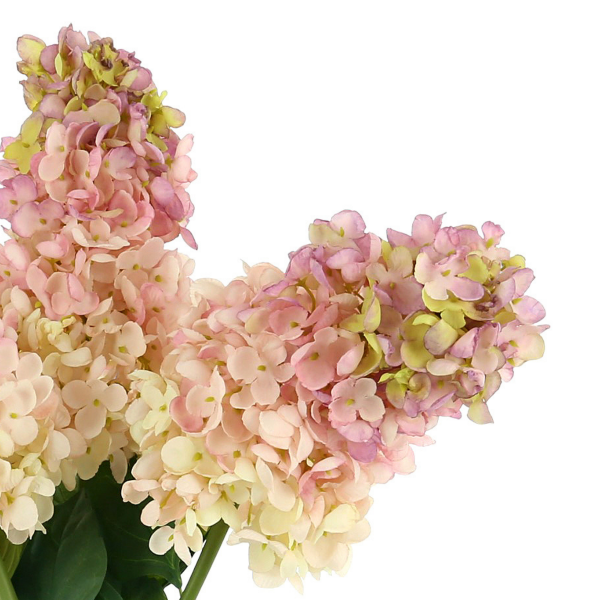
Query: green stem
x=7, y=591
x=214, y=538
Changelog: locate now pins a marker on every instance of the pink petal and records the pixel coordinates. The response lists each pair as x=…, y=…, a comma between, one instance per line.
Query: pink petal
x=344, y=257
x=25, y=221
x=48, y=57
x=188, y=238
x=466, y=289
x=265, y=389
x=24, y=188
x=359, y=431
x=424, y=229
x=349, y=222
x=314, y=374
x=529, y=310
x=180, y=414
x=350, y=360
x=52, y=166
x=17, y=255
x=52, y=106
x=523, y=279
x=465, y=346
x=364, y=453
x=9, y=356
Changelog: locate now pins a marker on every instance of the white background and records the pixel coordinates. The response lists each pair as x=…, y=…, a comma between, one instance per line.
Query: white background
x=483, y=110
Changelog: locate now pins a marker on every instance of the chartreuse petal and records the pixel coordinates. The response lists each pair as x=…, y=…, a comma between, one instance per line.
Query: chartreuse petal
x=516, y=261
x=395, y=390
x=452, y=304
x=371, y=311
x=440, y=337
x=455, y=318
x=415, y=355
x=479, y=412
x=30, y=48
x=372, y=357
x=154, y=139
x=386, y=250
x=425, y=319
x=322, y=234
x=173, y=117
x=355, y=323
x=22, y=154
x=27, y=144
x=477, y=270
x=159, y=125
x=30, y=131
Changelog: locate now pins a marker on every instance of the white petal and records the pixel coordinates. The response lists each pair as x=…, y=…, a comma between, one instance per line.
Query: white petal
x=180, y=455
x=22, y=514
x=161, y=540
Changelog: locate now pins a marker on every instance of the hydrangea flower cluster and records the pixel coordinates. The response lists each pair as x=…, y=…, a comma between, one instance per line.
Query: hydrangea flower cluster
x=93, y=186
x=273, y=403
x=286, y=396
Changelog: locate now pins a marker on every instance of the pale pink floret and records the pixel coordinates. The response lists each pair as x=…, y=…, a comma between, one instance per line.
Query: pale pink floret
x=353, y=398
x=61, y=294
x=52, y=165
x=317, y=364
x=17, y=192
x=261, y=368
x=201, y=409
x=33, y=217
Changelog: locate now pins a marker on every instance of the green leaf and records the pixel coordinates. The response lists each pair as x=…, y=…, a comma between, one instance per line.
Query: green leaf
x=96, y=547
x=10, y=554
x=109, y=592
x=81, y=561
x=69, y=562
x=127, y=538
x=38, y=558
x=144, y=589
x=62, y=494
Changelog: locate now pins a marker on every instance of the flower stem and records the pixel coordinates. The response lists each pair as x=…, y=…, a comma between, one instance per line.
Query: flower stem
x=214, y=538
x=7, y=592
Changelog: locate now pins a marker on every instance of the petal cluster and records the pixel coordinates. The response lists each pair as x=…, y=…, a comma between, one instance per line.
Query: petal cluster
x=92, y=188
x=287, y=395
x=273, y=403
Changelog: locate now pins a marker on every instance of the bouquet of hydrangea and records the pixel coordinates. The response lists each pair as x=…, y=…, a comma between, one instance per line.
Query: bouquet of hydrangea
x=143, y=413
